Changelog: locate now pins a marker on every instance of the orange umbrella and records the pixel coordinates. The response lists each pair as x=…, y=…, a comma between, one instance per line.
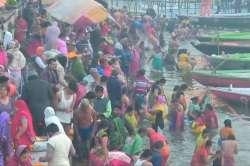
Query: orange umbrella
x=2, y=3
x=71, y=11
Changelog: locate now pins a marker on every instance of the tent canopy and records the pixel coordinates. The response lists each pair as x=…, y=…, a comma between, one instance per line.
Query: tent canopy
x=72, y=11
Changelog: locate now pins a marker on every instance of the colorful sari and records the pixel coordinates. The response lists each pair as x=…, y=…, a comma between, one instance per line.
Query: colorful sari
x=23, y=112
x=155, y=137
x=198, y=156
x=117, y=158
x=16, y=159
x=135, y=63
x=5, y=137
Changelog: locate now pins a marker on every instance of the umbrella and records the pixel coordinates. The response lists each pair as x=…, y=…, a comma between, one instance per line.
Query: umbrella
x=2, y=3
x=73, y=11
x=48, y=2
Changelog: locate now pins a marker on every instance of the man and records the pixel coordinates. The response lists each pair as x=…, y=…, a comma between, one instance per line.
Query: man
x=38, y=94
x=84, y=121
x=92, y=79
x=114, y=87
x=50, y=73
x=59, y=148
x=102, y=105
x=157, y=158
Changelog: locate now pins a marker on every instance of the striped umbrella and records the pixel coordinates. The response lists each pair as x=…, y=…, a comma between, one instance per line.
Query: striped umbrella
x=2, y=3
x=74, y=11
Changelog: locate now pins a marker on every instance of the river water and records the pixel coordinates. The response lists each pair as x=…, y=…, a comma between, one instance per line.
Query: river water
x=183, y=144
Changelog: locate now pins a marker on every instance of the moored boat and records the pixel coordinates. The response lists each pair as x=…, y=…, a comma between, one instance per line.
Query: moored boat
x=224, y=36
x=223, y=78
x=230, y=62
x=238, y=95
x=241, y=21
x=226, y=47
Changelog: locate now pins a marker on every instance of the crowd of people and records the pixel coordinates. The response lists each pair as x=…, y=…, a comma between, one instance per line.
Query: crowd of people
x=86, y=90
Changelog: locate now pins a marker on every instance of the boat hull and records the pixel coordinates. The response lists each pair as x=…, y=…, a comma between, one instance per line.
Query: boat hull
x=230, y=95
x=215, y=81
x=224, y=64
x=210, y=48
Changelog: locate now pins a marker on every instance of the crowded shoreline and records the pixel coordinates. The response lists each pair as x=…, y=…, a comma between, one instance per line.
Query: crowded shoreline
x=102, y=94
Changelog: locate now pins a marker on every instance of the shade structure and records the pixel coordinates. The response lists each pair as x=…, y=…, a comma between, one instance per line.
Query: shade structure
x=2, y=3
x=74, y=11
x=49, y=2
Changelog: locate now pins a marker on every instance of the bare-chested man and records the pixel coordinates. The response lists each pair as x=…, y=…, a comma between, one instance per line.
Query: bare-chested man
x=84, y=122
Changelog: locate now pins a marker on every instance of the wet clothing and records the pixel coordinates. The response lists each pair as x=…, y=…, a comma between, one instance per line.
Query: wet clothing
x=199, y=155
x=211, y=119
x=225, y=132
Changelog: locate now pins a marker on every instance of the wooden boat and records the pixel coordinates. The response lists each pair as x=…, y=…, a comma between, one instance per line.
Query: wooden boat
x=226, y=47
x=223, y=78
x=238, y=95
x=230, y=62
x=241, y=21
x=224, y=36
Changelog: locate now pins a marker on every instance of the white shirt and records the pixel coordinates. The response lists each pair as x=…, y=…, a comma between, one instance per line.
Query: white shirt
x=61, y=144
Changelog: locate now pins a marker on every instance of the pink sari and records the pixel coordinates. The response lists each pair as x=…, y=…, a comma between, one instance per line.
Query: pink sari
x=135, y=63
x=22, y=112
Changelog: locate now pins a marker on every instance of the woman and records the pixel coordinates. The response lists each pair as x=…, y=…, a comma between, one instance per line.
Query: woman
x=135, y=62
x=64, y=104
x=5, y=99
x=17, y=63
x=22, y=126
x=210, y=117
x=156, y=137
x=229, y=150
x=177, y=114
x=226, y=131
x=3, y=56
x=21, y=29
x=200, y=157
x=50, y=117
x=5, y=138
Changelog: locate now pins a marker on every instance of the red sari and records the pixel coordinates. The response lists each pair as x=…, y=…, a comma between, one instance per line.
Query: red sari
x=22, y=112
